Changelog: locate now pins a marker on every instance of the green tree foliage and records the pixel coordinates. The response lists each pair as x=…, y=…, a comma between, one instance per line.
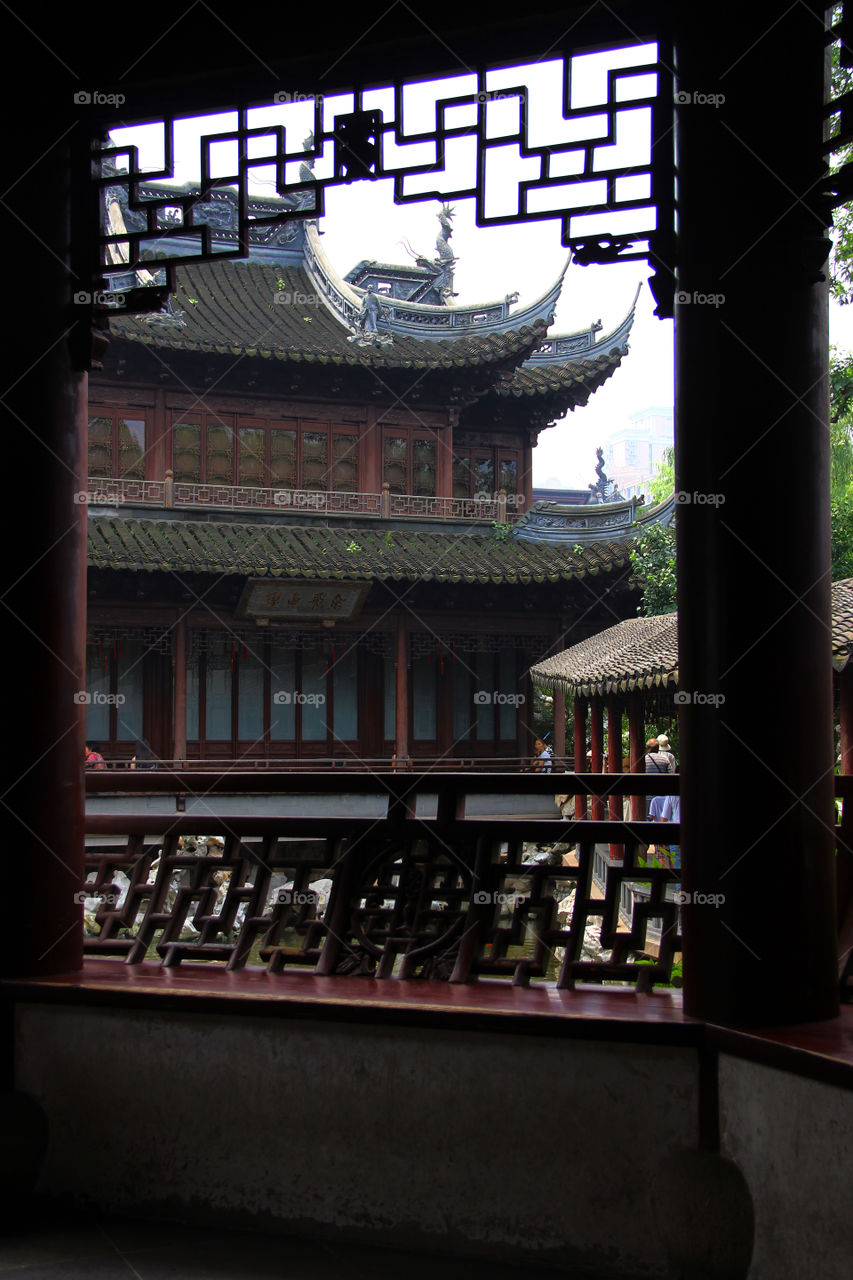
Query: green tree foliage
x=841, y=364
x=841, y=256
x=653, y=560
x=841, y=463
x=662, y=483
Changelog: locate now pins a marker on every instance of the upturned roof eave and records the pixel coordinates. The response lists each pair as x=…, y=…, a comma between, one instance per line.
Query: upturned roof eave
x=328, y=280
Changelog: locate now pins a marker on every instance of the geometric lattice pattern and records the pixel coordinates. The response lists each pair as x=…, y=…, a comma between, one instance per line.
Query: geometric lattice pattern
x=387, y=900
x=586, y=139
x=107, y=640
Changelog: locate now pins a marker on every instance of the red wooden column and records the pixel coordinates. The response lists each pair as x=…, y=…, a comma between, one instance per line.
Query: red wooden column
x=179, y=686
x=580, y=752
x=614, y=763
x=637, y=749
x=596, y=741
x=371, y=453
x=846, y=690
x=44, y=421
x=402, y=712
x=559, y=721
x=444, y=456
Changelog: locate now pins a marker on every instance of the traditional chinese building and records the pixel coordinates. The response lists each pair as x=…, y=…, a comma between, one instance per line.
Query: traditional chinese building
x=311, y=533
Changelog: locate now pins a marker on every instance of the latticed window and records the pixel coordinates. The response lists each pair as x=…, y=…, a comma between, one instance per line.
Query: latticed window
x=315, y=460
x=259, y=453
x=251, y=455
x=344, y=462
x=116, y=446
x=282, y=458
x=484, y=472
x=250, y=695
x=409, y=461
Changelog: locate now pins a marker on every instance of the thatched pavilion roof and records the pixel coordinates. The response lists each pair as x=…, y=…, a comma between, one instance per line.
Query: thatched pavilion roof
x=642, y=653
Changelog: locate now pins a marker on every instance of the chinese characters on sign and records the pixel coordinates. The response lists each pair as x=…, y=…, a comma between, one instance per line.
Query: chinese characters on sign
x=302, y=600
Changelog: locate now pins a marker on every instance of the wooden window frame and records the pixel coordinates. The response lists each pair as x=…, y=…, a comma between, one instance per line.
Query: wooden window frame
x=116, y=414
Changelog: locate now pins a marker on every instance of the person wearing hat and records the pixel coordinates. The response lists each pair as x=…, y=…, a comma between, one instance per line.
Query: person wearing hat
x=665, y=749
x=657, y=761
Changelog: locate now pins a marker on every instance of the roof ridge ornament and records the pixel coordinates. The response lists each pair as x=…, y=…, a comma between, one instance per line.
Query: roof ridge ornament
x=371, y=315
x=604, y=489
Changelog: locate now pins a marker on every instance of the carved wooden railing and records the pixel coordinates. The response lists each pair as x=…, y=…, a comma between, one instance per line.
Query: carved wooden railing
x=170, y=493
x=248, y=763
x=452, y=876
x=406, y=875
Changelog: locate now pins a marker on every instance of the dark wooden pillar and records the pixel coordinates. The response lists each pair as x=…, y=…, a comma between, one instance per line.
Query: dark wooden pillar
x=525, y=479
x=753, y=592
x=370, y=462
x=614, y=762
x=402, y=700
x=444, y=457
x=179, y=686
x=579, y=717
x=43, y=418
x=559, y=722
x=845, y=681
x=596, y=740
x=637, y=749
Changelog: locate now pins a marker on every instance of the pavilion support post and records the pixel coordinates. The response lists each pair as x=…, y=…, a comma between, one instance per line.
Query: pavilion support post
x=753, y=592
x=44, y=600
x=179, y=700
x=579, y=717
x=596, y=741
x=845, y=681
x=402, y=690
x=614, y=763
x=637, y=749
x=559, y=723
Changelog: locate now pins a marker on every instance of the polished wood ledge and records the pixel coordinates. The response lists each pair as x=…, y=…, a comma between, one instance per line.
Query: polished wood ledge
x=819, y=1050
x=486, y=1005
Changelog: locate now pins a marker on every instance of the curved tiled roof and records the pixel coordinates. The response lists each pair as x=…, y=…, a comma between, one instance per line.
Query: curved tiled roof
x=638, y=654
x=642, y=653
x=317, y=551
x=572, y=380
x=842, y=623
x=231, y=309
x=427, y=321
x=300, y=310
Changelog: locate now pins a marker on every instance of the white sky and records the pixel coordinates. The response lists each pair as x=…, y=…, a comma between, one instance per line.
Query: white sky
x=527, y=259
x=362, y=221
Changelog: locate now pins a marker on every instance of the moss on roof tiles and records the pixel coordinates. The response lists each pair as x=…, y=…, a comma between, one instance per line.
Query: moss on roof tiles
x=317, y=551
x=642, y=653
x=231, y=308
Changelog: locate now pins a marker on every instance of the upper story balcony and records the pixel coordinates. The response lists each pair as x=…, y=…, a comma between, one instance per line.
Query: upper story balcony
x=500, y=507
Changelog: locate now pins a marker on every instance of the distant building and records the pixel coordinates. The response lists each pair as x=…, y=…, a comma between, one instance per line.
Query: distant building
x=633, y=453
